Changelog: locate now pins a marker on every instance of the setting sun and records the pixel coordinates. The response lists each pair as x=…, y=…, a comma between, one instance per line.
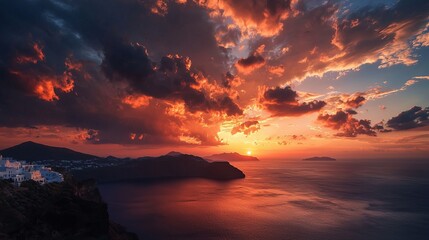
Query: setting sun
x=249, y=153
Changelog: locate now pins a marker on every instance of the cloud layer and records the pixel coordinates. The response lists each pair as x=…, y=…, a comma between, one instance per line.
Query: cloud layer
x=172, y=72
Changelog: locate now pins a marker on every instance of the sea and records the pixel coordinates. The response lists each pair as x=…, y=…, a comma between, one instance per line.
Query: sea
x=282, y=199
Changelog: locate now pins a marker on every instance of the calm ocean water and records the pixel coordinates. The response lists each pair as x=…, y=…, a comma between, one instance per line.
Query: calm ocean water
x=282, y=200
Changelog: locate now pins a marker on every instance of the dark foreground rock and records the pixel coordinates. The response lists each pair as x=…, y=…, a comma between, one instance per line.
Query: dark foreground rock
x=163, y=167
x=68, y=210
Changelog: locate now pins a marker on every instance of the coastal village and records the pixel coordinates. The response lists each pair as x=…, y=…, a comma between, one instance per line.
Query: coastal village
x=20, y=171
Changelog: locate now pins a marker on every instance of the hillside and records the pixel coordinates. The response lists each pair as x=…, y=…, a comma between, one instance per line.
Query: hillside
x=31, y=151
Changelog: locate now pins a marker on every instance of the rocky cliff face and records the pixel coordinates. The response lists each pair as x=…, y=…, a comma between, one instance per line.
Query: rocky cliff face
x=68, y=210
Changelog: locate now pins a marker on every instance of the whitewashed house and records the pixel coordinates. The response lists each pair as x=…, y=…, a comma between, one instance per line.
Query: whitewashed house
x=19, y=171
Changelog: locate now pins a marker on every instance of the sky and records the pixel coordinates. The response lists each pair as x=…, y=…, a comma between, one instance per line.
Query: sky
x=277, y=78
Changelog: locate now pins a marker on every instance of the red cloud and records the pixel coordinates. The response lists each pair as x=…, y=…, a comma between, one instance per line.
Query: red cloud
x=263, y=16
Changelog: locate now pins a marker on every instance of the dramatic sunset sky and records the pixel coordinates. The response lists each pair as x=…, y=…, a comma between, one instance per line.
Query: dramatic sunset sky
x=279, y=78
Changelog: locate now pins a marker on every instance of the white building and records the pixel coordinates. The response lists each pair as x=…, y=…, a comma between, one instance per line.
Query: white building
x=19, y=171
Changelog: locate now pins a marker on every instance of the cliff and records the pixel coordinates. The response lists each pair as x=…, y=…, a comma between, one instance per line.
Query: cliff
x=163, y=167
x=67, y=210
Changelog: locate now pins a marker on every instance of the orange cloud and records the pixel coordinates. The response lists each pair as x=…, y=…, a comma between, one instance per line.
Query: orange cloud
x=35, y=57
x=136, y=101
x=261, y=16
x=39, y=53
x=45, y=90
x=160, y=7
x=276, y=70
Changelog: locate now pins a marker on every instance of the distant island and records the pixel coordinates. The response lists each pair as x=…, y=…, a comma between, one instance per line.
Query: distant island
x=231, y=157
x=320, y=159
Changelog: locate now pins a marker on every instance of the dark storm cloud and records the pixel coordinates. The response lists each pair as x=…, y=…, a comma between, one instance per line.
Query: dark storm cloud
x=349, y=126
x=249, y=64
x=32, y=60
x=346, y=124
x=281, y=95
x=186, y=29
x=412, y=118
x=351, y=111
x=51, y=55
x=173, y=78
x=127, y=61
x=284, y=102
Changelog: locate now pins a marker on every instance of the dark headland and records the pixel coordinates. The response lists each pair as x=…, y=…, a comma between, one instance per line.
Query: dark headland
x=231, y=157
x=170, y=166
x=74, y=209
x=319, y=159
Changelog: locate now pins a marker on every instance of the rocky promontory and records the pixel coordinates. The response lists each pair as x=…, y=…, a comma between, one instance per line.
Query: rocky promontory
x=170, y=166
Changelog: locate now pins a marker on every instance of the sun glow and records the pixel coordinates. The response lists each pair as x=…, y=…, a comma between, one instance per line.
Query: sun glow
x=249, y=153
